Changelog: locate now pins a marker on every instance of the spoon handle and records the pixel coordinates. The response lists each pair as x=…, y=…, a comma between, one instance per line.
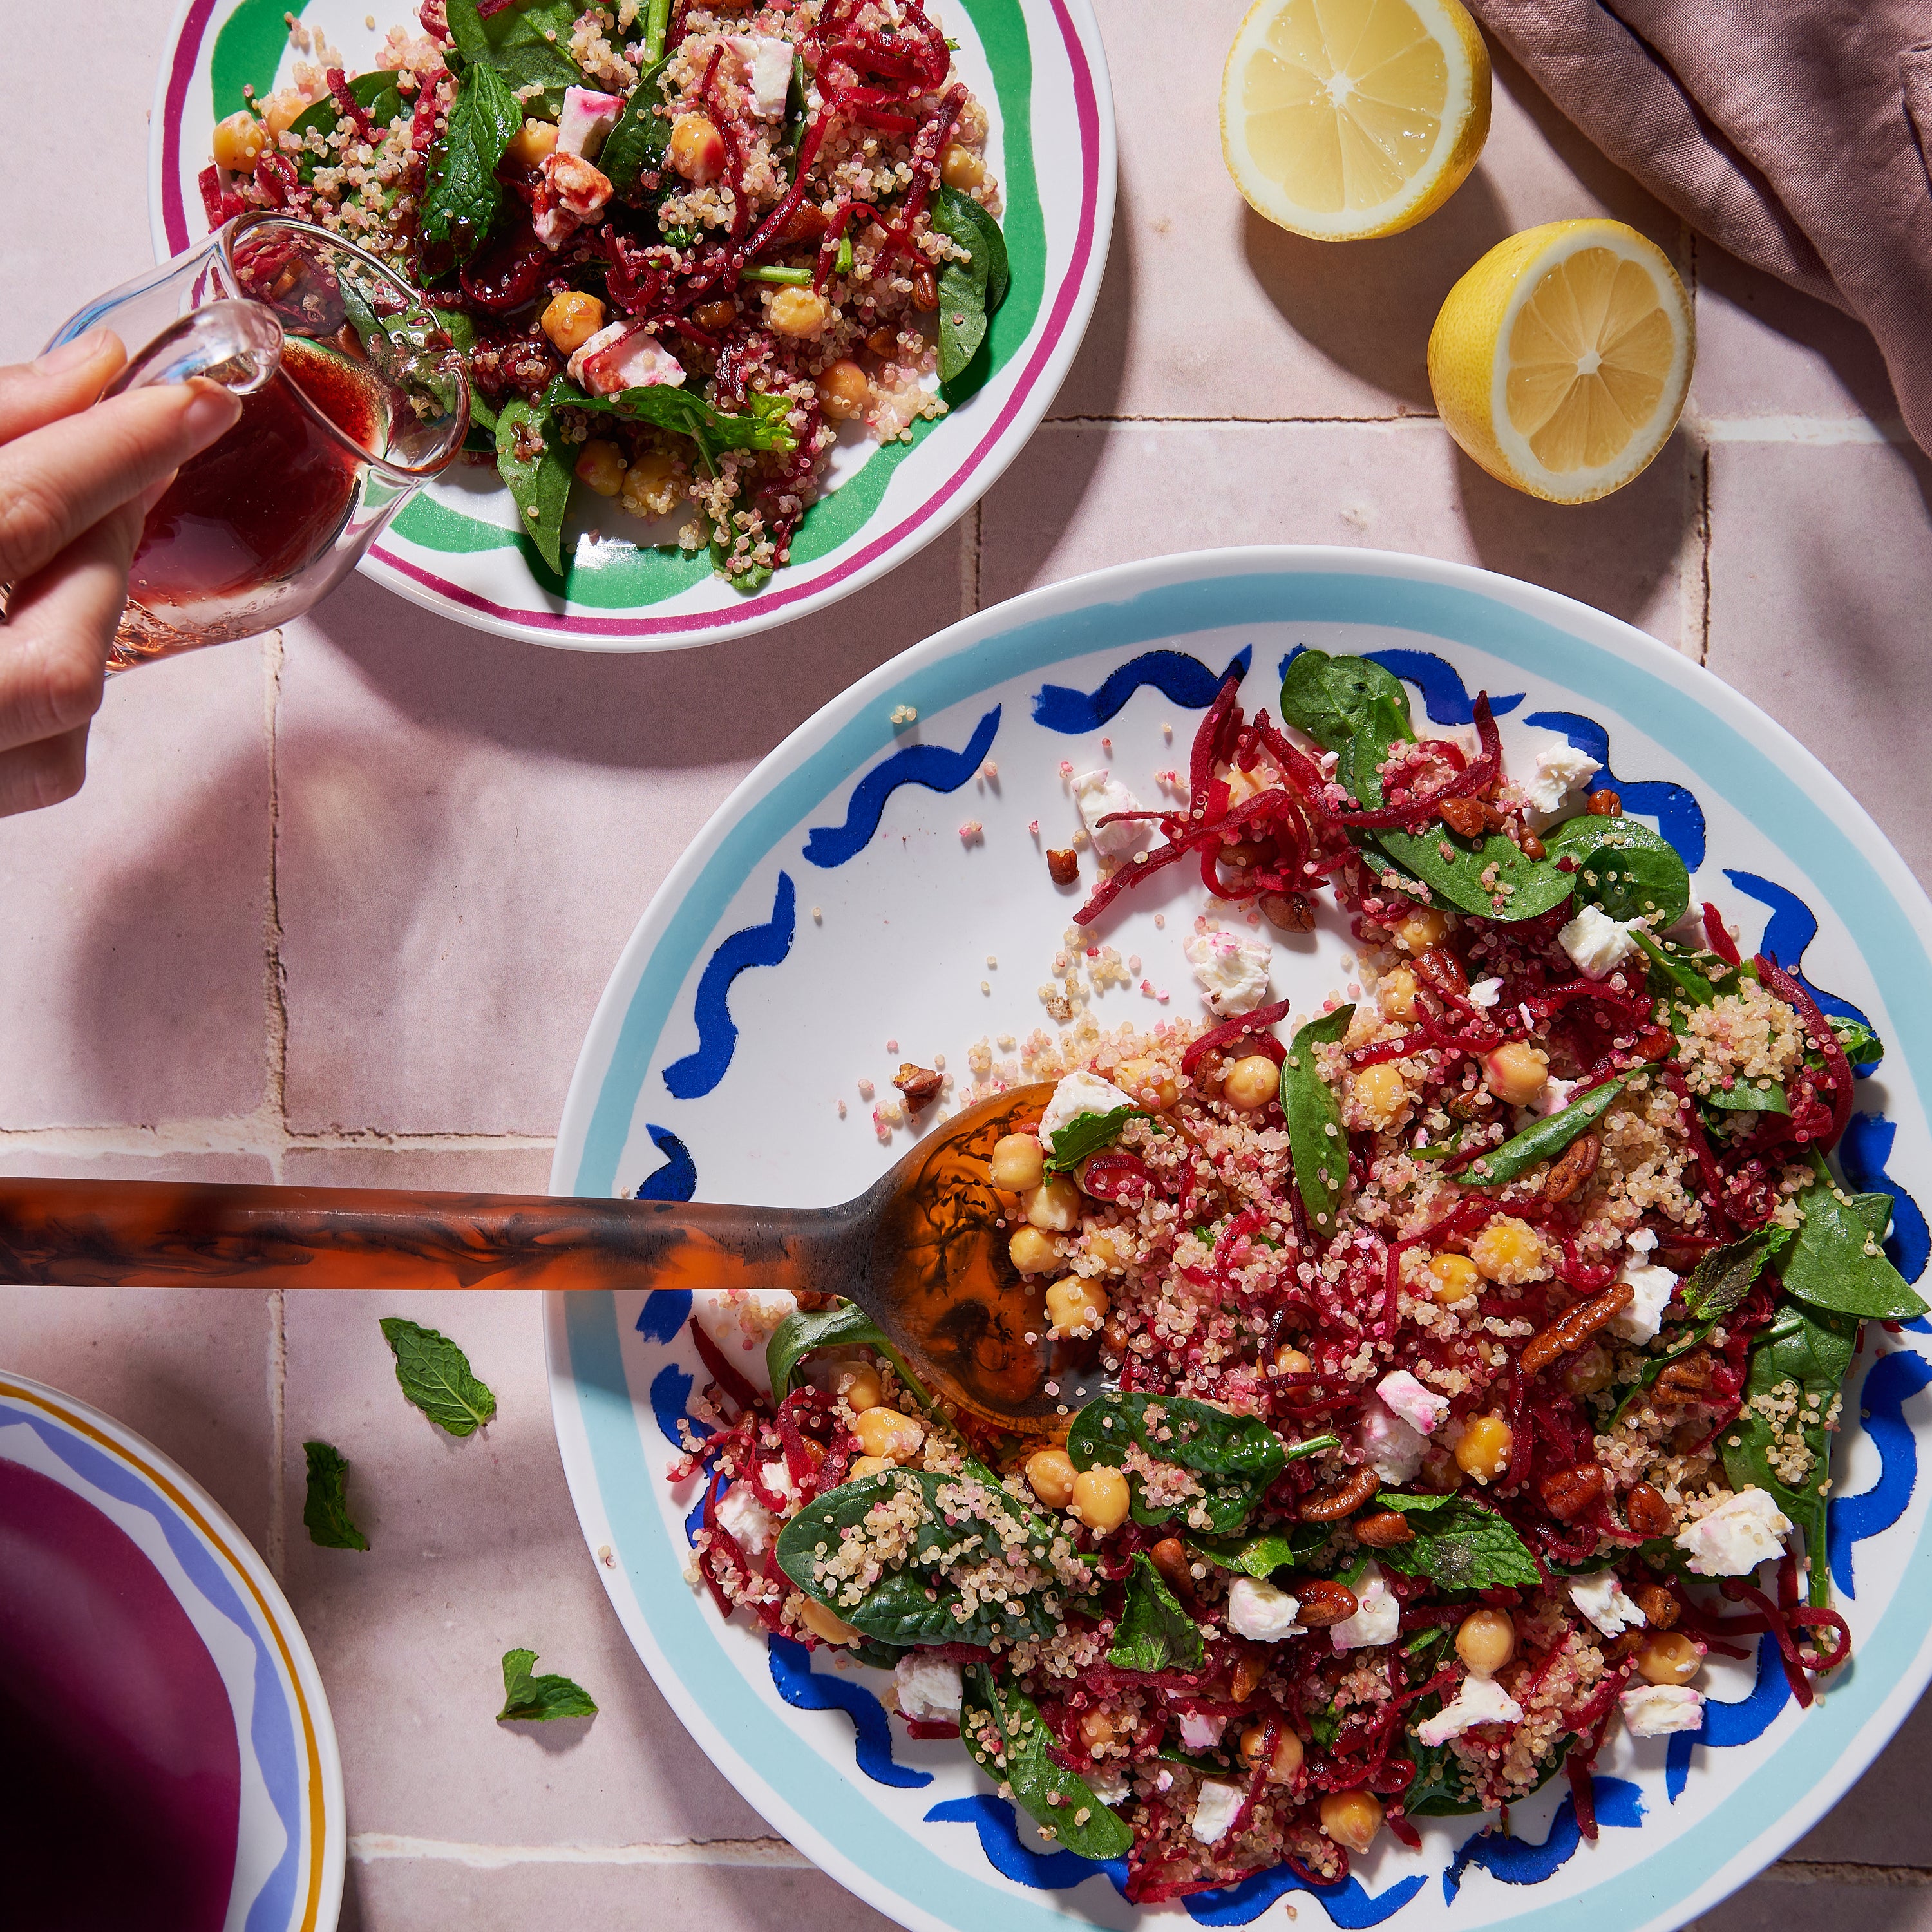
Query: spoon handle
x=170, y=1234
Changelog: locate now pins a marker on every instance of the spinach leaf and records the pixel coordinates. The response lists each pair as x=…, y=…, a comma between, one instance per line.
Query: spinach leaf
x=1329, y=698
x=1686, y=987
x=797, y=111
x=1317, y=1142
x=1860, y=1045
x=461, y=327
x=1544, y=1141
x=1009, y=1739
x=375, y=93
x=969, y=291
x=642, y=134
x=1262, y=1554
x=539, y=483
x=462, y=193
x=527, y=1697
x=1724, y=1276
x=683, y=412
x=1085, y=1134
x=1837, y=1263
x=516, y=41
x=1435, y=1791
x=1629, y=871
x=1684, y=978
x=847, y=1326
x=915, y=1603
x=1154, y=1633
x=435, y=1376
x=325, y=1509
x=1458, y=1544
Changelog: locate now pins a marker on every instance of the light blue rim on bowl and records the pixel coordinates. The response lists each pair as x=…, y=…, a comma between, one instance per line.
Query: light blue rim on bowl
x=1741, y=757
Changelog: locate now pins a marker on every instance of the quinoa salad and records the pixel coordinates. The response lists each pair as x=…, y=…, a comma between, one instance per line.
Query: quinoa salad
x=1475, y=1349
x=679, y=247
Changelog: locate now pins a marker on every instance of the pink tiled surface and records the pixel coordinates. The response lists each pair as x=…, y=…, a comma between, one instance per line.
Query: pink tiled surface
x=337, y=907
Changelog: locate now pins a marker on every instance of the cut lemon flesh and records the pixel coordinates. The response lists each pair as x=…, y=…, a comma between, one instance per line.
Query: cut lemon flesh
x=1343, y=119
x=1560, y=361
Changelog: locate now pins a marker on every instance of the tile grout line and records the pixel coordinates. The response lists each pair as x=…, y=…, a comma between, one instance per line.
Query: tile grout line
x=275, y=1096
x=244, y=1133
x=1815, y=432
x=372, y=1847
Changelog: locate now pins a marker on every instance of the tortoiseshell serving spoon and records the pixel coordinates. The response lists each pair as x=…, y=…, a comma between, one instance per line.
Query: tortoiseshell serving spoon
x=922, y=1251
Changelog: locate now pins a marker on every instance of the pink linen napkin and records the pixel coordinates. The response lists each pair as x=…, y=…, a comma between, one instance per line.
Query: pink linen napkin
x=1798, y=134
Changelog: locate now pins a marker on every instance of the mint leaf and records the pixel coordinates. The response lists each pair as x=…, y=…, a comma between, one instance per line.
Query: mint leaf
x=1317, y=1141
x=1724, y=1276
x=326, y=1511
x=1836, y=1262
x=539, y=1699
x=1262, y=1554
x=1154, y=1632
x=532, y=460
x=1458, y=1544
x=847, y=1326
x=1085, y=1134
x=666, y=406
x=462, y=193
x=1009, y=1740
x=1544, y=1141
x=435, y=1374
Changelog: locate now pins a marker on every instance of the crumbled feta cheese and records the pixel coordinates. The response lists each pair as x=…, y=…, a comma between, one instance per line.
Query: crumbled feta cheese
x=1261, y=1612
x=1653, y=1288
x=1217, y=1805
x=1601, y=1598
x=1655, y=1710
x=929, y=1687
x=1598, y=943
x=1485, y=993
x=1200, y=1732
x=1481, y=1700
x=777, y=1478
x=570, y=192
x=767, y=69
x=1377, y=1618
x=1560, y=769
x=1111, y=1787
x=740, y=1320
x=1096, y=794
x=1390, y=1446
x=1233, y=970
x=587, y=121
x=1080, y=1093
x=740, y=1512
x=1421, y=1408
x=624, y=355
x=1734, y=1538
x=1555, y=1096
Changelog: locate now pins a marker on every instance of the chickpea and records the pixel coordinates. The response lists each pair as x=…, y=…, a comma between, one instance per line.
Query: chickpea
x=1352, y=1818
x=697, y=149
x=1291, y=1362
x=717, y=315
x=1252, y=1082
x=827, y=1625
x=571, y=320
x=1112, y=1247
x=1096, y=1730
x=1288, y=1753
x=1485, y=1641
x=1454, y=1278
x=1099, y=1499
x=1589, y=1371
x=858, y=1386
x=601, y=465
x=961, y=168
x=651, y=486
x=1507, y=1250
x=868, y=1465
x=1148, y=1082
x=884, y=1431
x=1019, y=1162
x=1032, y=1253
x=1423, y=928
x=843, y=390
x=1395, y=992
x=1075, y=1307
x=1051, y=1474
x=1483, y=1452
x=282, y=109
x=1053, y=1204
x=1668, y=1657
x=1516, y=1073
x=238, y=142
x=799, y=313
x=1381, y=1095
x=531, y=143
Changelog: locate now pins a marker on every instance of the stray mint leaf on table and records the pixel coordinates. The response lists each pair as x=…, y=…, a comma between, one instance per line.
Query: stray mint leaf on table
x=435, y=1374
x=528, y=1698
x=325, y=1512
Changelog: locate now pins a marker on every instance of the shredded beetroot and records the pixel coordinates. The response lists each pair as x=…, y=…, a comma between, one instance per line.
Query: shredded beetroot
x=1717, y=935
x=1818, y=1031
x=733, y=1386
x=1247, y=1032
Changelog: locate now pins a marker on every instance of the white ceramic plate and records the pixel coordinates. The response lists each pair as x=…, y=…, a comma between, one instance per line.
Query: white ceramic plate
x=125, y=1544
x=834, y=917
x=1038, y=67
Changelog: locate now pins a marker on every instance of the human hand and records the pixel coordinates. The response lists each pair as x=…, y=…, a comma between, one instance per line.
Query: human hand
x=76, y=483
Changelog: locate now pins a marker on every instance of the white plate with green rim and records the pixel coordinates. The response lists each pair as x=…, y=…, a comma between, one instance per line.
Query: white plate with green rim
x=876, y=892
x=1038, y=67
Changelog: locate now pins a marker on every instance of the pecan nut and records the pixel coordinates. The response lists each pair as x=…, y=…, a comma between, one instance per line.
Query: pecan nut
x=1322, y=1602
x=919, y=1084
x=1578, y=1163
x=1247, y=1676
x=1169, y=1556
x=1340, y=1499
x=1288, y=912
x=1689, y=1379
x=1384, y=1529
x=1604, y=804
x=1567, y=1493
x=1470, y=817
x=1659, y=1607
x=1575, y=1326
x=1062, y=866
x=1533, y=848
x=1442, y=970
x=1648, y=1514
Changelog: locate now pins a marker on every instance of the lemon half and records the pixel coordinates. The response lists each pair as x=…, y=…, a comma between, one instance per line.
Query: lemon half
x=1342, y=119
x=1560, y=361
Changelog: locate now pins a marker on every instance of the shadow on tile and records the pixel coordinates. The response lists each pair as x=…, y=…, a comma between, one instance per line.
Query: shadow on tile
x=1094, y=383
